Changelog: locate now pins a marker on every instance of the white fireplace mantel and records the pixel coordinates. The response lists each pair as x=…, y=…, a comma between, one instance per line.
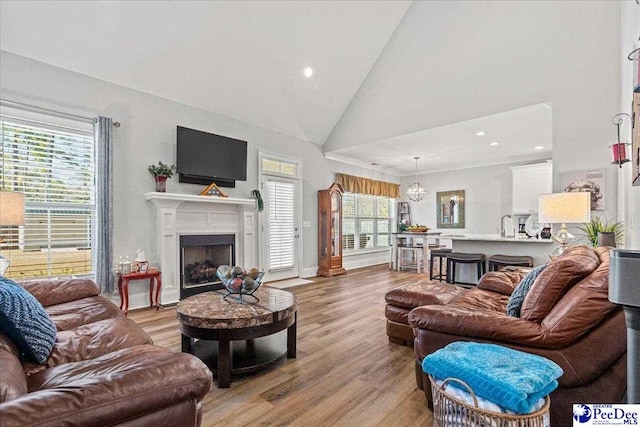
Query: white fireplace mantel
x=161, y=200
x=189, y=214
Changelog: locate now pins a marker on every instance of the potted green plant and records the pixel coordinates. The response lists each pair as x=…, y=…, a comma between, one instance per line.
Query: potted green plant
x=602, y=232
x=259, y=202
x=161, y=172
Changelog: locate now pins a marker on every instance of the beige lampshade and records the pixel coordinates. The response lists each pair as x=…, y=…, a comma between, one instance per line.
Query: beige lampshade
x=560, y=208
x=11, y=208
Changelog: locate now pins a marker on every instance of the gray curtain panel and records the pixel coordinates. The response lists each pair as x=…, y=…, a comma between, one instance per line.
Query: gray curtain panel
x=103, y=128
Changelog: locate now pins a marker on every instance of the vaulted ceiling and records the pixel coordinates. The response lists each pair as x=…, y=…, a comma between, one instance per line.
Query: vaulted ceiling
x=391, y=79
x=240, y=59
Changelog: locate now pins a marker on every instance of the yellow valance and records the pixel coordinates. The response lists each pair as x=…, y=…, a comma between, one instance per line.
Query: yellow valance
x=358, y=184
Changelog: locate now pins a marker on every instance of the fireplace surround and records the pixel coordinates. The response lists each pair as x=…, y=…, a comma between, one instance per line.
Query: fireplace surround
x=184, y=215
x=200, y=257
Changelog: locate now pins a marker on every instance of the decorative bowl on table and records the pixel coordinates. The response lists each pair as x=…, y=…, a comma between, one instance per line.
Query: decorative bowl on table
x=238, y=281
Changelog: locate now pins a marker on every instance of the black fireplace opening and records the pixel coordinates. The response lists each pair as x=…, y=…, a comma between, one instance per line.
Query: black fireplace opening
x=200, y=256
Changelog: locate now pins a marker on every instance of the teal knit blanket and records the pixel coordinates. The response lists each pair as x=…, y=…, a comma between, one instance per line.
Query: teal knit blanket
x=512, y=379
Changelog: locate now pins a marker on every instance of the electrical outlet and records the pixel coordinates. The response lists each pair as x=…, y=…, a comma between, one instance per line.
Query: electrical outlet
x=306, y=224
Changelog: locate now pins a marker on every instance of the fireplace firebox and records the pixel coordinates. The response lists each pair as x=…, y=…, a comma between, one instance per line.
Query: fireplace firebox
x=200, y=256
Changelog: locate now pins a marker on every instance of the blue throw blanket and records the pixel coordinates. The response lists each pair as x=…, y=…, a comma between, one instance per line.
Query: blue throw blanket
x=513, y=379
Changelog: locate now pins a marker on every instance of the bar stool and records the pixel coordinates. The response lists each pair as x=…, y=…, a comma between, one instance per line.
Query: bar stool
x=455, y=258
x=497, y=262
x=410, y=257
x=441, y=254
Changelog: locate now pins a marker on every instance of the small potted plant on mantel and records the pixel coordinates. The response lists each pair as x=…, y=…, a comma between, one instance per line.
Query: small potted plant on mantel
x=161, y=172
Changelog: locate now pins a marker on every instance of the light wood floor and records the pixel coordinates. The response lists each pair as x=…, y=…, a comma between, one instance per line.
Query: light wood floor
x=346, y=372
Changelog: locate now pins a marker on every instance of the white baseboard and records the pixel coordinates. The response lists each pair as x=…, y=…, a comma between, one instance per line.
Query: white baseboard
x=310, y=272
x=365, y=260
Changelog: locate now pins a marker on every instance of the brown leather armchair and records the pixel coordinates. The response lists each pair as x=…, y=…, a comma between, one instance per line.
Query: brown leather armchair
x=103, y=370
x=566, y=317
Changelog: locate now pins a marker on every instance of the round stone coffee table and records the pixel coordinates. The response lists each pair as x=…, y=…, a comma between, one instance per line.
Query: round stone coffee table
x=209, y=317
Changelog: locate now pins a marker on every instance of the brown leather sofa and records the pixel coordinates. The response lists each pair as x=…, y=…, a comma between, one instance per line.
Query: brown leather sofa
x=103, y=371
x=566, y=317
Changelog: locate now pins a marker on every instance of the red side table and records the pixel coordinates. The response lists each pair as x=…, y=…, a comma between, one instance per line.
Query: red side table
x=155, y=284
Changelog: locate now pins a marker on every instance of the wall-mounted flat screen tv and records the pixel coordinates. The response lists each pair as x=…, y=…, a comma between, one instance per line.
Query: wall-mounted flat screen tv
x=203, y=158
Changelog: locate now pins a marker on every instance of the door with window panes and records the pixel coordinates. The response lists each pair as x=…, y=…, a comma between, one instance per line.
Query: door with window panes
x=279, y=222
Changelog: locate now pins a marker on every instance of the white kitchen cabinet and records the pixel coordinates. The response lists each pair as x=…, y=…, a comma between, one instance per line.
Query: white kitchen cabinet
x=528, y=182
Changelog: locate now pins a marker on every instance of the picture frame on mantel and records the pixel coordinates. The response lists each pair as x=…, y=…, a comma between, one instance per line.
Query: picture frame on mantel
x=450, y=209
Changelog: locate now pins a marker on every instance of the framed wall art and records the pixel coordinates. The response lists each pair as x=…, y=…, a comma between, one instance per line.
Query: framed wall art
x=591, y=181
x=450, y=206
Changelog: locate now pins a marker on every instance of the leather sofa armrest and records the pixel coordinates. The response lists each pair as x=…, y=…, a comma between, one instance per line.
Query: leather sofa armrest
x=486, y=325
x=58, y=291
x=111, y=390
x=502, y=282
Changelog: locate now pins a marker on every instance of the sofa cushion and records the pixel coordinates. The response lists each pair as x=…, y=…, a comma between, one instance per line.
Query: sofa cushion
x=70, y=315
x=92, y=340
x=573, y=265
x=25, y=321
x=114, y=389
x=420, y=293
x=502, y=282
x=520, y=292
x=57, y=291
x=12, y=380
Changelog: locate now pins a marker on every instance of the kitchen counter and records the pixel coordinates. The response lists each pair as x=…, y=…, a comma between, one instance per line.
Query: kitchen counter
x=492, y=238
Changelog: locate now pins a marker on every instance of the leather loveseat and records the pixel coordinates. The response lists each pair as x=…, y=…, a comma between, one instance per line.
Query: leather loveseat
x=566, y=317
x=103, y=370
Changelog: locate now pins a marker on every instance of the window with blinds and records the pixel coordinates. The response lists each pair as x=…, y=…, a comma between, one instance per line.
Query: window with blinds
x=281, y=225
x=53, y=164
x=366, y=221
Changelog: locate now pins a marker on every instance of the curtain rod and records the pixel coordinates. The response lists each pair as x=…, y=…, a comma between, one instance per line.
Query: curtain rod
x=36, y=109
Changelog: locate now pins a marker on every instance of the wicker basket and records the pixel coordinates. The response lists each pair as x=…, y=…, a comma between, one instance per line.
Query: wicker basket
x=451, y=412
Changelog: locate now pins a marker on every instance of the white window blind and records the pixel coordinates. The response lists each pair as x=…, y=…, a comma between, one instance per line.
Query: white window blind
x=281, y=225
x=366, y=221
x=54, y=165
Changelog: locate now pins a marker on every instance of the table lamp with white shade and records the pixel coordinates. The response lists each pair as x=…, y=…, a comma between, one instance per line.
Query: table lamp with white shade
x=563, y=208
x=11, y=213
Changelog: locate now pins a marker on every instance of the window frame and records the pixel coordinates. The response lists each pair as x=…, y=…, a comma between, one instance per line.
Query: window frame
x=66, y=225
x=358, y=198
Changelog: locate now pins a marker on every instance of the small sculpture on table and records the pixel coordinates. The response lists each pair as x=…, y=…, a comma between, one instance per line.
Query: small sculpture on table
x=238, y=281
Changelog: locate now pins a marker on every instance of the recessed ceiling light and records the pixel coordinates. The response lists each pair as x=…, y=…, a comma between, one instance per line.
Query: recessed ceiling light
x=308, y=72
x=481, y=133
x=494, y=143
x=538, y=147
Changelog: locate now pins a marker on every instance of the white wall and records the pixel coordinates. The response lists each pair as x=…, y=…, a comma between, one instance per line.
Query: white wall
x=148, y=134
x=487, y=197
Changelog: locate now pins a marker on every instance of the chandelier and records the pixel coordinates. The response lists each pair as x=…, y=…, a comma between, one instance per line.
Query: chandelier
x=416, y=190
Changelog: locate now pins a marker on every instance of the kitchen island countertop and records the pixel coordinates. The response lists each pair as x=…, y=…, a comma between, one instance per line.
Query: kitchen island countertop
x=492, y=238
